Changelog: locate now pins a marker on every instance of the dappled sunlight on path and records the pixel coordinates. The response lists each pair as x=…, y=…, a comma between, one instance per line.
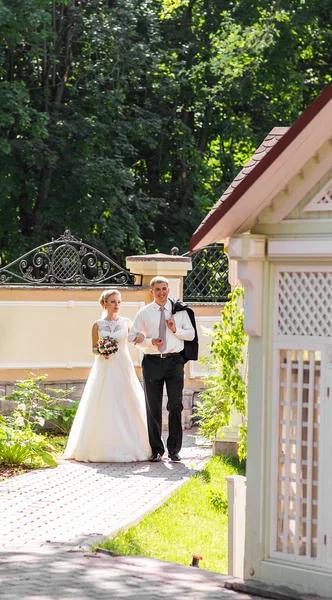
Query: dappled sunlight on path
x=76, y=502
x=53, y=516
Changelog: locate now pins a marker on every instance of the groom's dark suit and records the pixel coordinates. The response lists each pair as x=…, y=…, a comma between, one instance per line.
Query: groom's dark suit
x=163, y=367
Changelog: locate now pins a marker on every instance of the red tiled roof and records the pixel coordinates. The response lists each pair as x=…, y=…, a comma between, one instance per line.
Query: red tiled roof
x=277, y=141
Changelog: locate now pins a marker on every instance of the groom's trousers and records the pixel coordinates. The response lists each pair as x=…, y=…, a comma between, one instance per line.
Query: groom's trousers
x=157, y=370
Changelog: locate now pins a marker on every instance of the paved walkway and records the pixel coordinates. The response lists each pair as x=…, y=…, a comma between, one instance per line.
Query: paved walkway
x=50, y=517
x=76, y=502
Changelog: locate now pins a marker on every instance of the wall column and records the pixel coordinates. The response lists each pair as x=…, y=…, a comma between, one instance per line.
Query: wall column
x=174, y=268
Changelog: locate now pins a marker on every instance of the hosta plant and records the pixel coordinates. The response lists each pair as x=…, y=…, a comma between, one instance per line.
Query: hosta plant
x=21, y=440
x=23, y=446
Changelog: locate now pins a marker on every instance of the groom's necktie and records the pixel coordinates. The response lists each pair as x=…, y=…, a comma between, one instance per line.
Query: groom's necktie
x=162, y=329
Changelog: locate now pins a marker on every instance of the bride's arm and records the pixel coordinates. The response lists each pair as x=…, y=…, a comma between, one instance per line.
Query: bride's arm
x=95, y=338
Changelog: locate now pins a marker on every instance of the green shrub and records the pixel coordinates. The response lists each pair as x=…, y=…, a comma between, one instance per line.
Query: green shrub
x=226, y=378
x=63, y=416
x=35, y=406
x=23, y=445
x=21, y=441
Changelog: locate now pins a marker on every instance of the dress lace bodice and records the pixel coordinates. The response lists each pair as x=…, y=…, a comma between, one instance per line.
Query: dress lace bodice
x=117, y=329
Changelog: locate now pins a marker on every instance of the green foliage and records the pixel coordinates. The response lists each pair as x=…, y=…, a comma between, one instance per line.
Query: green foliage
x=125, y=121
x=20, y=438
x=219, y=501
x=193, y=520
x=35, y=406
x=22, y=445
x=58, y=443
x=225, y=381
x=62, y=417
x=242, y=449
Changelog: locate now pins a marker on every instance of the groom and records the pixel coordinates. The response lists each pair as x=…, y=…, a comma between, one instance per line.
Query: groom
x=161, y=336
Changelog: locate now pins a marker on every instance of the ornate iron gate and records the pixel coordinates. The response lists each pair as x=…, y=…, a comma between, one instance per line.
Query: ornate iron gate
x=66, y=261
x=208, y=280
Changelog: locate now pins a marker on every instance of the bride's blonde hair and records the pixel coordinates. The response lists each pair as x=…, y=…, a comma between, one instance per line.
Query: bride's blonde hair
x=105, y=294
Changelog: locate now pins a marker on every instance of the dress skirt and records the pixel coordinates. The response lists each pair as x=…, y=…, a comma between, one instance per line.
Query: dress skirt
x=110, y=423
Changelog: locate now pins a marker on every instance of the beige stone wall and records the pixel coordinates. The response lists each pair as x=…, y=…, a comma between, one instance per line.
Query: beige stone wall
x=49, y=330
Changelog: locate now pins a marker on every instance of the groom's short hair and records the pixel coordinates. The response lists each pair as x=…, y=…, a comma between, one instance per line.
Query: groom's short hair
x=158, y=279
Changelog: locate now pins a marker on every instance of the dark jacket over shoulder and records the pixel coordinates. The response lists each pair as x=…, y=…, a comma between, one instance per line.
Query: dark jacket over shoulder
x=190, y=350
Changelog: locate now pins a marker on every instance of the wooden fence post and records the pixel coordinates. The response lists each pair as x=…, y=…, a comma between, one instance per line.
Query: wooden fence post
x=236, y=495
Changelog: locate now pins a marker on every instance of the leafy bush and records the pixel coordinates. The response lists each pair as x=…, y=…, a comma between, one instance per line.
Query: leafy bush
x=63, y=416
x=226, y=386
x=23, y=445
x=36, y=406
x=20, y=439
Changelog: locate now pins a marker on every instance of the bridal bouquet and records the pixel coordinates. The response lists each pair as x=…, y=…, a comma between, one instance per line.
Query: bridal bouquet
x=107, y=345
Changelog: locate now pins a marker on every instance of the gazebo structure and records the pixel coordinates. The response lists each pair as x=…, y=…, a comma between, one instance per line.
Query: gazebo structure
x=276, y=220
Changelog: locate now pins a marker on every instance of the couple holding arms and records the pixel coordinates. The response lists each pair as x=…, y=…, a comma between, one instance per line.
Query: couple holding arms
x=116, y=420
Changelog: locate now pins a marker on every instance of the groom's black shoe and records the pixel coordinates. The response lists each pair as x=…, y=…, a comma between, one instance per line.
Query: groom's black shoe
x=174, y=457
x=155, y=457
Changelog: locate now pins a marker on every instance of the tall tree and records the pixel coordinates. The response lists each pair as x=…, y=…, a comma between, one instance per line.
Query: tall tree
x=125, y=121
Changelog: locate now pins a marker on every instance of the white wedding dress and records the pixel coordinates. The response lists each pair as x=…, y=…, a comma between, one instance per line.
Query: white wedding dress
x=110, y=424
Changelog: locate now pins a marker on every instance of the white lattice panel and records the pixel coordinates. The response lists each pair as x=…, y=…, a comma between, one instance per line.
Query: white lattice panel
x=298, y=453
x=304, y=303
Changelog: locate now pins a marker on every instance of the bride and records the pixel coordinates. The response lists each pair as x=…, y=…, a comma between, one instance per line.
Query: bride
x=110, y=424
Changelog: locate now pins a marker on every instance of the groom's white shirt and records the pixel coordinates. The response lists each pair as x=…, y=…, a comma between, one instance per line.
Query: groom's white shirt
x=147, y=322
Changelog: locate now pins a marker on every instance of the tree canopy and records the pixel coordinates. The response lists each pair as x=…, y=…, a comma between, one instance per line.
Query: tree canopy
x=124, y=121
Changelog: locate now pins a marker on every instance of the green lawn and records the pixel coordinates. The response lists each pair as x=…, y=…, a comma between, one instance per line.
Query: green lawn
x=193, y=520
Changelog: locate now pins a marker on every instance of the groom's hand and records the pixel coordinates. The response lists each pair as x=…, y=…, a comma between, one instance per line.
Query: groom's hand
x=171, y=324
x=139, y=338
x=157, y=342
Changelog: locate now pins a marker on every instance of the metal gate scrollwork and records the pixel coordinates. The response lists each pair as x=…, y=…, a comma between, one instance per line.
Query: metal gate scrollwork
x=66, y=261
